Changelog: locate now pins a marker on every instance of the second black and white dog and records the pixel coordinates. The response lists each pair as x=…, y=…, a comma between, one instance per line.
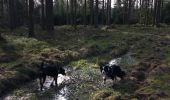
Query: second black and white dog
x=111, y=71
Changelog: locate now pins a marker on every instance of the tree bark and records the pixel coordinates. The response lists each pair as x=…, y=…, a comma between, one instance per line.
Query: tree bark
x=72, y=10
x=91, y=12
x=42, y=15
x=49, y=15
x=103, y=12
x=12, y=14
x=75, y=13
x=1, y=8
x=85, y=11
x=96, y=14
x=158, y=14
x=26, y=12
x=67, y=12
x=129, y=11
x=31, y=18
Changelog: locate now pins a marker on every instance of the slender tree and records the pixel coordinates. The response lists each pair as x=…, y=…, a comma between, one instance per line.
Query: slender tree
x=96, y=13
x=12, y=14
x=67, y=10
x=103, y=12
x=129, y=11
x=91, y=4
x=72, y=11
x=108, y=19
x=31, y=18
x=26, y=12
x=49, y=15
x=1, y=14
x=1, y=8
x=85, y=12
x=75, y=13
x=42, y=14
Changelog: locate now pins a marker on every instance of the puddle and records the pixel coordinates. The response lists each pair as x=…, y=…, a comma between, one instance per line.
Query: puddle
x=32, y=90
x=123, y=60
x=78, y=85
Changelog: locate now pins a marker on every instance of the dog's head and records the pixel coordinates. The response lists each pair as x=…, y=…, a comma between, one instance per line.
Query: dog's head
x=62, y=71
x=102, y=65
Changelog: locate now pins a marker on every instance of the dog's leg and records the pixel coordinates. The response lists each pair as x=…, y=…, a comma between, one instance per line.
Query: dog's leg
x=55, y=79
x=52, y=83
x=104, y=80
x=44, y=78
x=41, y=83
x=114, y=79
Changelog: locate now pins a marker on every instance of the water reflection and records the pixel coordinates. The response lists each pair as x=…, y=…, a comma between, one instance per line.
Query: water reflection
x=49, y=93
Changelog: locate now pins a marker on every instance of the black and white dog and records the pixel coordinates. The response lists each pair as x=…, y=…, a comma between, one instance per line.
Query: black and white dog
x=111, y=71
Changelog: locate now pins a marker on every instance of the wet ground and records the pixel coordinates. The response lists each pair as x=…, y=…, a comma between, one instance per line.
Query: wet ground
x=79, y=84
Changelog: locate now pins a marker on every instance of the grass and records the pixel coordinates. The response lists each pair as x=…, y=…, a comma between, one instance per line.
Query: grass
x=82, y=64
x=65, y=44
x=105, y=94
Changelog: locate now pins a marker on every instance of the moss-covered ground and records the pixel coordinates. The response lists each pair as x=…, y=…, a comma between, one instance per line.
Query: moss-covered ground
x=86, y=47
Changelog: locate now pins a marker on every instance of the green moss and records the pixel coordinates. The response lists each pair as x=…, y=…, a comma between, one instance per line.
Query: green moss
x=66, y=43
x=83, y=64
x=103, y=94
x=26, y=45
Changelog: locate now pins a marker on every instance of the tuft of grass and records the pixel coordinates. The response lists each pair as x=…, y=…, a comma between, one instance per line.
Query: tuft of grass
x=105, y=94
x=83, y=64
x=27, y=45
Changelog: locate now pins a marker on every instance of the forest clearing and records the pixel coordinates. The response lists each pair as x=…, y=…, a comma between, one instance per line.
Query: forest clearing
x=90, y=49
x=147, y=54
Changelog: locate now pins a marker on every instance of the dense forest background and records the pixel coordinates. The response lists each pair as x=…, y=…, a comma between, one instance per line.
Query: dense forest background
x=47, y=13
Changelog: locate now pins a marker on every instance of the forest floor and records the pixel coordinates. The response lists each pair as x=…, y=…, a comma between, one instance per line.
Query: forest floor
x=148, y=73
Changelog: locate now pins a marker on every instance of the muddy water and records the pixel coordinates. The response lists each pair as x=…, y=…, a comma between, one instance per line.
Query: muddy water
x=79, y=84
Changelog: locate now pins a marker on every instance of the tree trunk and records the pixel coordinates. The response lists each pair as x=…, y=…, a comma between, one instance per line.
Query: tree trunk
x=85, y=8
x=75, y=13
x=158, y=14
x=161, y=10
x=72, y=15
x=107, y=13
x=49, y=15
x=67, y=12
x=129, y=11
x=42, y=15
x=103, y=13
x=31, y=18
x=155, y=12
x=12, y=14
x=91, y=12
x=108, y=16
x=26, y=12
x=1, y=9
x=96, y=14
